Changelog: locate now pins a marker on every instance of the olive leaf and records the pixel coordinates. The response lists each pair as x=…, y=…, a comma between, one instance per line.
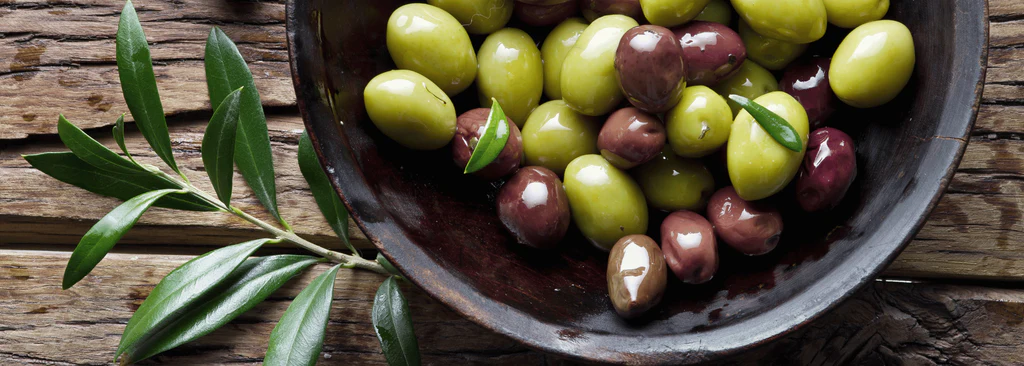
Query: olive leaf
x=219, y=146
x=326, y=198
x=393, y=325
x=383, y=261
x=299, y=335
x=93, y=152
x=776, y=126
x=118, y=132
x=492, y=141
x=104, y=234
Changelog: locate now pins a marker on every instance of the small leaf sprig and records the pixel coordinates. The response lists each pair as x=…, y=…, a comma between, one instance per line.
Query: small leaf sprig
x=493, y=140
x=776, y=126
x=209, y=291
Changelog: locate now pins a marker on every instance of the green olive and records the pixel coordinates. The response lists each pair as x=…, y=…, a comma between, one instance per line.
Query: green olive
x=671, y=183
x=670, y=13
x=852, y=13
x=606, y=203
x=795, y=21
x=554, y=50
x=426, y=120
x=700, y=124
x=511, y=72
x=555, y=134
x=589, y=81
x=758, y=165
x=718, y=11
x=428, y=40
x=771, y=53
x=873, y=64
x=478, y=16
x=750, y=81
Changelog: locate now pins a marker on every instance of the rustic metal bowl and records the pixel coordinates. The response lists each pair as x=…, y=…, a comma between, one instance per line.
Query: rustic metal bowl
x=439, y=227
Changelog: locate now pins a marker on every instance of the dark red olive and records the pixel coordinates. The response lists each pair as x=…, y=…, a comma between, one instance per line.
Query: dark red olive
x=712, y=51
x=650, y=67
x=688, y=241
x=807, y=81
x=544, y=2
x=593, y=9
x=544, y=15
x=631, y=137
x=636, y=275
x=468, y=128
x=533, y=206
x=829, y=168
x=749, y=227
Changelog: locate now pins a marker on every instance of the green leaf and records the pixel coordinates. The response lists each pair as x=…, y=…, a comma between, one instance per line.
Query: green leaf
x=182, y=287
x=226, y=71
x=219, y=146
x=68, y=168
x=393, y=325
x=93, y=152
x=776, y=126
x=119, y=137
x=387, y=265
x=138, y=84
x=326, y=198
x=104, y=234
x=244, y=288
x=493, y=140
x=299, y=335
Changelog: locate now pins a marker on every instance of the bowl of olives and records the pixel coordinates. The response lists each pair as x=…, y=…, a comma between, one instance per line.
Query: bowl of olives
x=639, y=181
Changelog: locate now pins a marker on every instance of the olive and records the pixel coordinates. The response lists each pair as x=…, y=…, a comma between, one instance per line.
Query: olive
x=670, y=13
x=544, y=15
x=589, y=81
x=852, y=13
x=605, y=202
x=545, y=2
x=700, y=124
x=829, y=169
x=771, y=53
x=511, y=71
x=533, y=206
x=554, y=50
x=758, y=165
x=431, y=42
x=478, y=16
x=593, y=9
x=631, y=137
x=873, y=64
x=712, y=52
x=468, y=129
x=636, y=275
x=555, y=134
x=672, y=183
x=426, y=120
x=751, y=81
x=689, y=244
x=794, y=21
x=807, y=81
x=649, y=64
x=749, y=227
x=718, y=11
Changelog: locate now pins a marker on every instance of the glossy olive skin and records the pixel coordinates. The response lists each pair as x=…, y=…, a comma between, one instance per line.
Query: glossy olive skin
x=636, y=275
x=544, y=15
x=758, y=165
x=672, y=183
x=427, y=119
x=606, y=203
x=554, y=50
x=718, y=11
x=544, y=2
x=649, y=64
x=750, y=228
x=589, y=81
x=688, y=241
x=852, y=13
x=829, y=169
x=631, y=137
x=555, y=134
x=771, y=53
x=670, y=13
x=794, y=21
x=478, y=16
x=873, y=64
x=750, y=81
x=469, y=126
x=712, y=52
x=807, y=81
x=533, y=206
x=431, y=42
x=593, y=9
x=700, y=124
x=511, y=71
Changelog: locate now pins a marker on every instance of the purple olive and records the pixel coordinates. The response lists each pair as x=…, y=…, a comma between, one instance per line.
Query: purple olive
x=749, y=227
x=468, y=128
x=650, y=68
x=807, y=81
x=544, y=15
x=688, y=241
x=593, y=9
x=636, y=275
x=712, y=51
x=631, y=137
x=829, y=168
x=533, y=206
x=544, y=2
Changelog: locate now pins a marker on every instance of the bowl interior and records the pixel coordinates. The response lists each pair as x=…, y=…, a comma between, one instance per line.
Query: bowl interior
x=440, y=227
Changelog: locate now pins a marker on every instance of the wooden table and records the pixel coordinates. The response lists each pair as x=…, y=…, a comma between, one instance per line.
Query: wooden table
x=953, y=296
